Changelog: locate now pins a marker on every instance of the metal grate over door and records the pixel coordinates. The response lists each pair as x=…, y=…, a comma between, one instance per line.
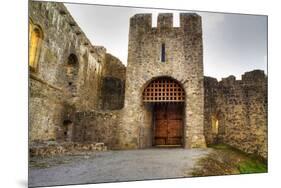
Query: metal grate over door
x=163, y=90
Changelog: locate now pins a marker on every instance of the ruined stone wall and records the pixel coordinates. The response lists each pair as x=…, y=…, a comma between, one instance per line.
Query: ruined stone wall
x=69, y=75
x=183, y=62
x=98, y=126
x=210, y=108
x=114, y=68
x=45, y=110
x=240, y=107
x=113, y=84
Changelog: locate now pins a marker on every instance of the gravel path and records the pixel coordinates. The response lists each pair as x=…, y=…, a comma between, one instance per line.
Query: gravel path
x=112, y=166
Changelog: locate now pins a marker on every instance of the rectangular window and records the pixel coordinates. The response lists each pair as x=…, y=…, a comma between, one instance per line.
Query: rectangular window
x=163, y=52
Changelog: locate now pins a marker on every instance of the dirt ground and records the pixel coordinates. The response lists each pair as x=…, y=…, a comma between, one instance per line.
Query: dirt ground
x=113, y=166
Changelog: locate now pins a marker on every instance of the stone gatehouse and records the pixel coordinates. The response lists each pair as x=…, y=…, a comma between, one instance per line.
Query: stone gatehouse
x=80, y=93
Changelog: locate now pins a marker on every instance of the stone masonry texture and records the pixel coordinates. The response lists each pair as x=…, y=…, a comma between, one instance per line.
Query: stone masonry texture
x=184, y=63
x=241, y=109
x=73, y=75
x=79, y=93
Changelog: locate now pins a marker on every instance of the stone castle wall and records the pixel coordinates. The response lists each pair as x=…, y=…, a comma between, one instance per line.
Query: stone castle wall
x=113, y=84
x=184, y=63
x=240, y=106
x=70, y=73
x=98, y=126
x=79, y=92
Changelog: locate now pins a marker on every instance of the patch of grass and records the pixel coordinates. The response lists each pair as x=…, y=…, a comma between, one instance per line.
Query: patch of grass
x=40, y=165
x=47, y=162
x=220, y=146
x=252, y=166
x=213, y=167
x=226, y=160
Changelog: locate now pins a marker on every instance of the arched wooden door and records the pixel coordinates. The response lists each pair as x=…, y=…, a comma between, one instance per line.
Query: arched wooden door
x=168, y=98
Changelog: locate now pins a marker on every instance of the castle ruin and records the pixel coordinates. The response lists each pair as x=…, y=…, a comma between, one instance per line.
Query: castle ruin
x=79, y=93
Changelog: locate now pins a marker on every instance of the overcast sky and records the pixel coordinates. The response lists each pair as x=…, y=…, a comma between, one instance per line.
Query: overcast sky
x=232, y=43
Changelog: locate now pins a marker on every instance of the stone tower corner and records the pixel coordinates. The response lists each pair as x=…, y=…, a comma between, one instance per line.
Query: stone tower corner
x=140, y=23
x=191, y=22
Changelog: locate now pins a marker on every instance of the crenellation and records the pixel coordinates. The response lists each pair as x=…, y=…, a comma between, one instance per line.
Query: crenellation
x=140, y=23
x=254, y=77
x=191, y=23
x=164, y=21
x=228, y=81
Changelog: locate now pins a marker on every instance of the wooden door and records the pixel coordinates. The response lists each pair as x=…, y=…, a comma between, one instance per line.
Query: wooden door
x=168, y=124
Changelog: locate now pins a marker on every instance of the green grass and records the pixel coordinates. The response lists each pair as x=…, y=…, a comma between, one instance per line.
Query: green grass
x=39, y=165
x=219, y=146
x=252, y=166
x=226, y=160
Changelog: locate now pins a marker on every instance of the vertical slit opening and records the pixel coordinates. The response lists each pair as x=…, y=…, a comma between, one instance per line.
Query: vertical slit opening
x=163, y=52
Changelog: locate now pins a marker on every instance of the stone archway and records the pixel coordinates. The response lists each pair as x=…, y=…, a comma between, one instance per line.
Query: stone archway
x=166, y=96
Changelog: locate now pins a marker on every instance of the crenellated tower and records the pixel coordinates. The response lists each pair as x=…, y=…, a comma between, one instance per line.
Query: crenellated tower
x=164, y=54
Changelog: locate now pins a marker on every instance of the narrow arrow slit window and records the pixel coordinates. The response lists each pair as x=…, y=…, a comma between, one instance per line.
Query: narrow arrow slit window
x=163, y=55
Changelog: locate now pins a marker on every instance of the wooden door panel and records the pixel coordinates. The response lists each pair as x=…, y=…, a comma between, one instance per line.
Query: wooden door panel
x=174, y=111
x=174, y=116
x=174, y=128
x=173, y=141
x=160, y=141
x=168, y=124
x=161, y=129
x=160, y=112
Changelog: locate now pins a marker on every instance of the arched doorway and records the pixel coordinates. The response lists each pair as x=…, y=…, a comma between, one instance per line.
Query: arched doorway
x=167, y=99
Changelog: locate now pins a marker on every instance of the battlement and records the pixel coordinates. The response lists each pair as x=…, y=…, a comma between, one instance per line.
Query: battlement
x=165, y=20
x=254, y=75
x=210, y=80
x=189, y=22
x=230, y=80
x=141, y=22
x=248, y=78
